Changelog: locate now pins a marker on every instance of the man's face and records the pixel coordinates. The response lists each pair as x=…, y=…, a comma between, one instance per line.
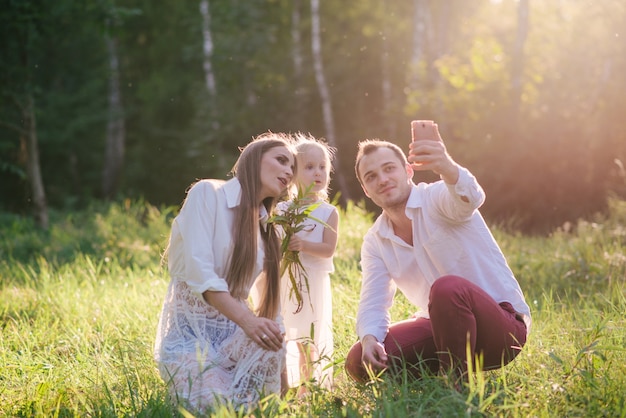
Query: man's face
x=385, y=178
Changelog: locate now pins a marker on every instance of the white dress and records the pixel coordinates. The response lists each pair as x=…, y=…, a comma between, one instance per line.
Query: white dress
x=315, y=318
x=204, y=357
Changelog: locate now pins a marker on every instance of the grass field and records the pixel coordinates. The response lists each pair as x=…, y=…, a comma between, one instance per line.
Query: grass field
x=79, y=306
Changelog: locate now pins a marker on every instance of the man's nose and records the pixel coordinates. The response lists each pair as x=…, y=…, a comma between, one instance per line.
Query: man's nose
x=382, y=179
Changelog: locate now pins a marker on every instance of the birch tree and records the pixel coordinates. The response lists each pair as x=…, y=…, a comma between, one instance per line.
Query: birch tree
x=386, y=86
x=420, y=39
x=29, y=145
x=207, y=48
x=24, y=22
x=297, y=58
x=116, y=131
x=327, y=111
x=517, y=61
x=211, y=111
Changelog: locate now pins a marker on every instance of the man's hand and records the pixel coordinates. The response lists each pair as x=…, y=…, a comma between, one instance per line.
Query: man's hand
x=373, y=354
x=432, y=155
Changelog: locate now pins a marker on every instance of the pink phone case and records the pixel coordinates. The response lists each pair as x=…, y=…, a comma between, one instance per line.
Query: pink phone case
x=423, y=130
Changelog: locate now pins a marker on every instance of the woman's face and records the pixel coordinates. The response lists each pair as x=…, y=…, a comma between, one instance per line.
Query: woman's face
x=276, y=171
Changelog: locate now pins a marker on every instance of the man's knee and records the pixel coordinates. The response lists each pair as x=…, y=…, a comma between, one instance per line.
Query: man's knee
x=446, y=286
x=354, y=366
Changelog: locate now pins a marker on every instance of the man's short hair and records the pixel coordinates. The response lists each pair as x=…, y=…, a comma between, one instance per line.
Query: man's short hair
x=370, y=145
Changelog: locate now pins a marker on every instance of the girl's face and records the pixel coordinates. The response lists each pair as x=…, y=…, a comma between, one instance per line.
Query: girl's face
x=276, y=171
x=313, y=169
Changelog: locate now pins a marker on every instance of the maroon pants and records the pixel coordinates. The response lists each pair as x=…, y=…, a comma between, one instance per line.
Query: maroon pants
x=462, y=315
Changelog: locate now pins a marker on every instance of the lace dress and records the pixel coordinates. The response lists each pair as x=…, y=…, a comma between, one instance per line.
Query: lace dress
x=205, y=358
x=315, y=318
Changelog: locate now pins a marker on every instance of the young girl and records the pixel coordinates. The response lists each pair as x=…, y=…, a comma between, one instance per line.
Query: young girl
x=310, y=330
x=211, y=347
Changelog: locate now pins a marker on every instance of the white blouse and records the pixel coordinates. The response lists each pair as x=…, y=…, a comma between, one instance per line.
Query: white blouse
x=202, y=355
x=201, y=238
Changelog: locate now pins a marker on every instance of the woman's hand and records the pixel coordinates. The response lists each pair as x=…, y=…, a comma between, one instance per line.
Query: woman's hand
x=265, y=332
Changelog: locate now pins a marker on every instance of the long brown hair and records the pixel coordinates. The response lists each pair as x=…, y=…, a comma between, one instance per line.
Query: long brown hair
x=243, y=258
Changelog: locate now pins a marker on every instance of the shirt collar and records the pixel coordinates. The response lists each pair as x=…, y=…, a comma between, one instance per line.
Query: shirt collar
x=232, y=189
x=415, y=199
x=383, y=225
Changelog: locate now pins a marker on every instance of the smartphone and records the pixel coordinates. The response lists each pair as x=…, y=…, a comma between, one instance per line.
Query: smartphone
x=424, y=130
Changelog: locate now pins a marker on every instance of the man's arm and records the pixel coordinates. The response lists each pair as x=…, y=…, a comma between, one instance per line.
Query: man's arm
x=377, y=292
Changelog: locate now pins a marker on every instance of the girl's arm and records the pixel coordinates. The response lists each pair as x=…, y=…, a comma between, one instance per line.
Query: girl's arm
x=324, y=249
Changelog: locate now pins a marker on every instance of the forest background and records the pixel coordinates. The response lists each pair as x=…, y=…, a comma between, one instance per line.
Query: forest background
x=112, y=99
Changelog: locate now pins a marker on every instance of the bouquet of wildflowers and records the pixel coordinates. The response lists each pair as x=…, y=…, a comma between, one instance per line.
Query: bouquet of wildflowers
x=292, y=221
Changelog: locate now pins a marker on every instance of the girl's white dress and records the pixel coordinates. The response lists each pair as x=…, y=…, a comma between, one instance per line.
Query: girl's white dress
x=204, y=357
x=314, y=322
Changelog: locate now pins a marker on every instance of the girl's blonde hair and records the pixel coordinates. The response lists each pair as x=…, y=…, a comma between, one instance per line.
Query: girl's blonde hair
x=305, y=143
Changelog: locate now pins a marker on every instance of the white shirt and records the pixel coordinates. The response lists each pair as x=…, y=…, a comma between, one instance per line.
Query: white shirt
x=201, y=240
x=449, y=237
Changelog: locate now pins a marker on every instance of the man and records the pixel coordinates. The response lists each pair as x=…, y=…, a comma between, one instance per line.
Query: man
x=431, y=243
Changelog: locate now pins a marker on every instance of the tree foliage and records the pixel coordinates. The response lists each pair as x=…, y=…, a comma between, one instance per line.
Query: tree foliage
x=541, y=130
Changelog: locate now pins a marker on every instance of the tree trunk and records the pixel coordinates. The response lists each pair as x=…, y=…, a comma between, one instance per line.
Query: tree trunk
x=297, y=58
x=517, y=62
x=116, y=129
x=386, y=86
x=30, y=148
x=418, y=55
x=211, y=116
x=440, y=44
x=207, y=48
x=316, y=47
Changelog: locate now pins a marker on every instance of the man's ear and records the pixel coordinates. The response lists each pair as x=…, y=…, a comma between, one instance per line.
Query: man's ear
x=364, y=191
x=409, y=171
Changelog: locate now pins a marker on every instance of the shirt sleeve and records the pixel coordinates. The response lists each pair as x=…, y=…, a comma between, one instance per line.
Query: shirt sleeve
x=377, y=292
x=457, y=202
x=196, y=224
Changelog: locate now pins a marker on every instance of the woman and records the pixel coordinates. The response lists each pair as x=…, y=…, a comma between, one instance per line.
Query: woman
x=210, y=346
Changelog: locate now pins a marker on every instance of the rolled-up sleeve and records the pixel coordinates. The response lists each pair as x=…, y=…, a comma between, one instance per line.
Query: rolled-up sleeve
x=377, y=292
x=457, y=202
x=194, y=233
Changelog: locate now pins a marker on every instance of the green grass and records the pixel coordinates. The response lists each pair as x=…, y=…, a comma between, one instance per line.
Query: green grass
x=79, y=306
